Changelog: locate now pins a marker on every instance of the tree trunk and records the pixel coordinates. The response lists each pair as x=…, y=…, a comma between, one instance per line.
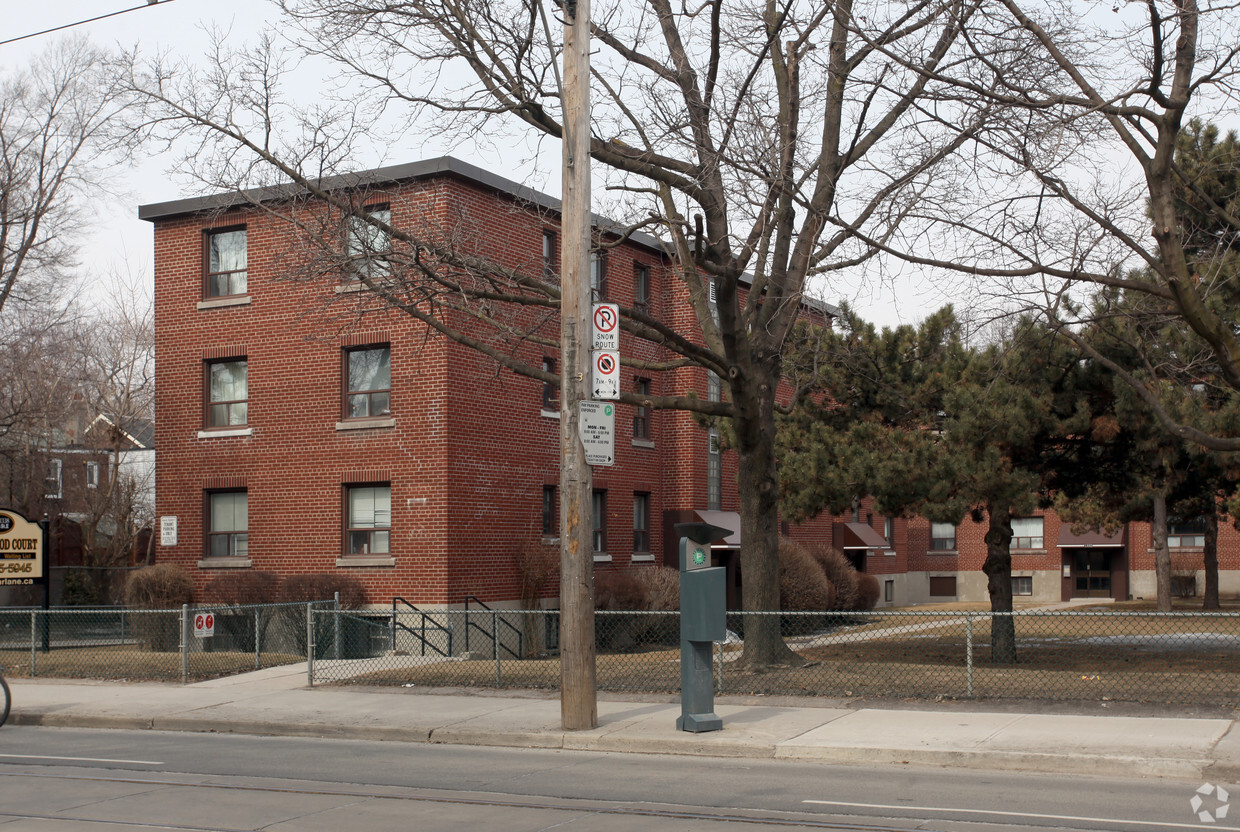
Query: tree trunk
x=998, y=569
x=1209, y=600
x=759, y=500
x=1162, y=555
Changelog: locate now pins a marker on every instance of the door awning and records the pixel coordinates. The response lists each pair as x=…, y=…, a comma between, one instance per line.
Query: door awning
x=859, y=536
x=1089, y=540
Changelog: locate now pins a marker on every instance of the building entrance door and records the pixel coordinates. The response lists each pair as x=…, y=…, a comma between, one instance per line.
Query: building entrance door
x=1091, y=571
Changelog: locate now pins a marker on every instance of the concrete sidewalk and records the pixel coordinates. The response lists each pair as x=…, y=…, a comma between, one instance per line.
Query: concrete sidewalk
x=278, y=702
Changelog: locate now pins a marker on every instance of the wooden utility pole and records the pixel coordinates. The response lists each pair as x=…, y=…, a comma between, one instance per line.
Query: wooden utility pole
x=578, y=699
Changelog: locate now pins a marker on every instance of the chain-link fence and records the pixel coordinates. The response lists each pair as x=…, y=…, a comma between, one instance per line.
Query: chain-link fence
x=120, y=643
x=1177, y=657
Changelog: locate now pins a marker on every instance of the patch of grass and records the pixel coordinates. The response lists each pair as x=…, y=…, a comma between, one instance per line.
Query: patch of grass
x=124, y=663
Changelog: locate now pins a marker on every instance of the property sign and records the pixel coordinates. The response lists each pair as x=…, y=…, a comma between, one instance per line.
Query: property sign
x=204, y=624
x=596, y=425
x=168, y=530
x=606, y=375
x=606, y=327
x=22, y=555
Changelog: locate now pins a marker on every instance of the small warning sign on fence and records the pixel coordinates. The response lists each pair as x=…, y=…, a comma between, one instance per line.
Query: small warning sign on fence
x=204, y=624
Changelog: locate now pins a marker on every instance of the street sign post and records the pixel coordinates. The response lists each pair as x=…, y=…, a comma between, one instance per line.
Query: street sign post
x=606, y=374
x=606, y=327
x=596, y=425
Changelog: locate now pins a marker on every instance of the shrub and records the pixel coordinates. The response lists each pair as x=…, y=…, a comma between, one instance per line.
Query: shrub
x=618, y=590
x=868, y=592
x=79, y=590
x=159, y=587
x=840, y=572
x=538, y=565
x=661, y=587
x=323, y=586
x=242, y=587
x=802, y=583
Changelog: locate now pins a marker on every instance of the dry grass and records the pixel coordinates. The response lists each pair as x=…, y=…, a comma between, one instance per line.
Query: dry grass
x=1187, y=660
x=124, y=663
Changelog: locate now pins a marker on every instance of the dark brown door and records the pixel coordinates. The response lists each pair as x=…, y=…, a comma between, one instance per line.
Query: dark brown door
x=1091, y=573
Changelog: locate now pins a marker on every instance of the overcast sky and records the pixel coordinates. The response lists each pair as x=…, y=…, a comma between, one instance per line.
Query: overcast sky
x=122, y=242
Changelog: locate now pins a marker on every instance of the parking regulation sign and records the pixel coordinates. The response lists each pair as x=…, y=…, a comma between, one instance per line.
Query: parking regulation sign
x=606, y=327
x=606, y=375
x=596, y=427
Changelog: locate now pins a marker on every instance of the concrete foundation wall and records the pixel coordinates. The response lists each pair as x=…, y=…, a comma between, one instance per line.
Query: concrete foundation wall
x=971, y=587
x=1143, y=584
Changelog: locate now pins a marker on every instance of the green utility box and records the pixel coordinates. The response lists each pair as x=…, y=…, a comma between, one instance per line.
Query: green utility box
x=703, y=621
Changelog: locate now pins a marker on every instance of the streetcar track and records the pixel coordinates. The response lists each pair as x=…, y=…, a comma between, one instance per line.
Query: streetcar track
x=582, y=806
x=625, y=811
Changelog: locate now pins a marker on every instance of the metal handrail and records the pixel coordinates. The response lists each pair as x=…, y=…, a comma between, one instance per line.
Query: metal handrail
x=420, y=636
x=496, y=643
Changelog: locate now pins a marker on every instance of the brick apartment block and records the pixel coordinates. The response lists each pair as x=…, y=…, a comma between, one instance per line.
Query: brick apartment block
x=298, y=435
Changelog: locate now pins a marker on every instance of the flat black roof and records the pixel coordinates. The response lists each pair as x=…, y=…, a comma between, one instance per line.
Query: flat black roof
x=443, y=165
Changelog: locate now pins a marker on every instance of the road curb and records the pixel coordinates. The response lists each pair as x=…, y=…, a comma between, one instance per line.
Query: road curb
x=1001, y=760
x=980, y=759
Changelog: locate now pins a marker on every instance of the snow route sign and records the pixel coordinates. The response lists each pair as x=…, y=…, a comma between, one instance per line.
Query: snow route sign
x=596, y=426
x=606, y=327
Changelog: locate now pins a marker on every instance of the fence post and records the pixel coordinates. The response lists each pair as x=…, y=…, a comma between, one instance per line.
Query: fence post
x=258, y=648
x=495, y=644
x=968, y=654
x=34, y=642
x=185, y=644
x=122, y=626
x=336, y=654
x=310, y=643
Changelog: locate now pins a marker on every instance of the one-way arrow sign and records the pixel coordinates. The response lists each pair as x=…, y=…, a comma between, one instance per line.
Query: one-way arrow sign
x=596, y=425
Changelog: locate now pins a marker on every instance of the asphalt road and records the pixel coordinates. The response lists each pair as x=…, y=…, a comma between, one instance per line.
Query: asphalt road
x=77, y=780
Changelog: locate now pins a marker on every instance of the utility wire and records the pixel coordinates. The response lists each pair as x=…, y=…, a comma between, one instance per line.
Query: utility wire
x=83, y=22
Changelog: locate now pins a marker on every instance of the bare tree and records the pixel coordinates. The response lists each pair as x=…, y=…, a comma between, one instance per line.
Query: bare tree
x=57, y=145
x=1083, y=184
x=754, y=140
x=118, y=359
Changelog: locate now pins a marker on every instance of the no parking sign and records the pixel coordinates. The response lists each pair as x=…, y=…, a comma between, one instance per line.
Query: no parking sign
x=606, y=375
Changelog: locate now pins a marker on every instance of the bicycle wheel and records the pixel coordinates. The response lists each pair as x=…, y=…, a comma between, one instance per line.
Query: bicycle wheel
x=8, y=700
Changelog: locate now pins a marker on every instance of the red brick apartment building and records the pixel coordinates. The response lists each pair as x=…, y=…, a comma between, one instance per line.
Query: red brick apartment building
x=294, y=439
